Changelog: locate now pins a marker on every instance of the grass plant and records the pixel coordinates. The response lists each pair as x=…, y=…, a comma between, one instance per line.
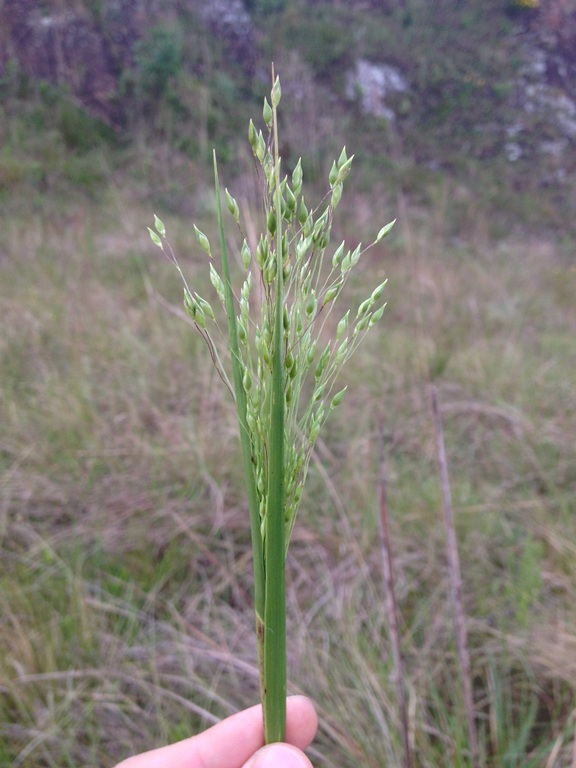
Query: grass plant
x=275, y=352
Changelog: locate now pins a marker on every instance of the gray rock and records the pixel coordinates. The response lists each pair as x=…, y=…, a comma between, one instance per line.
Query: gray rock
x=374, y=84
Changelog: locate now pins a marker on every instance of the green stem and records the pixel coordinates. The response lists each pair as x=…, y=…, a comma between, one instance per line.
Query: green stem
x=245, y=441
x=274, y=557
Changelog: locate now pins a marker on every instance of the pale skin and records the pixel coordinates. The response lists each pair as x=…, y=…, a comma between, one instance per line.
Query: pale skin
x=238, y=742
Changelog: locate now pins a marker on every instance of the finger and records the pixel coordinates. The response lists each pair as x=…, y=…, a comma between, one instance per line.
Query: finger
x=278, y=756
x=233, y=741
x=301, y=721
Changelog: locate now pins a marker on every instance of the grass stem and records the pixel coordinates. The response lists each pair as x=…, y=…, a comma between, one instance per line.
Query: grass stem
x=275, y=605
x=392, y=607
x=455, y=580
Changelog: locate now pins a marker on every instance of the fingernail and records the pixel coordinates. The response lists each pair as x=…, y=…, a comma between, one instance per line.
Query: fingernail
x=278, y=756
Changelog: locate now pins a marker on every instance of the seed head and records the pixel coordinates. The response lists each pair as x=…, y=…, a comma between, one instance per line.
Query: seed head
x=377, y=315
x=155, y=237
x=333, y=176
x=337, y=399
x=252, y=136
x=271, y=221
x=216, y=281
x=342, y=325
x=336, y=195
x=338, y=255
x=159, y=226
x=377, y=292
x=267, y=113
x=276, y=92
x=202, y=240
x=332, y=292
x=297, y=178
x=384, y=231
x=232, y=206
x=343, y=157
x=245, y=255
x=310, y=308
x=205, y=306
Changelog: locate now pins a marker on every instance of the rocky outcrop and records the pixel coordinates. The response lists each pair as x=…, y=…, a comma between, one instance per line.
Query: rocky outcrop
x=70, y=46
x=545, y=92
x=87, y=46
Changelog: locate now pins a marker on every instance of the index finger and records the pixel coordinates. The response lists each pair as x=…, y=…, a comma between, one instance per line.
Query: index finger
x=230, y=743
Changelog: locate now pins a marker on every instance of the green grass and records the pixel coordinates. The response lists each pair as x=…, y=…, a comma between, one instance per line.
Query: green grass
x=125, y=575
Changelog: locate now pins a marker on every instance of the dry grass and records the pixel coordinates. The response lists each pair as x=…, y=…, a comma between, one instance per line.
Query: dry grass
x=124, y=573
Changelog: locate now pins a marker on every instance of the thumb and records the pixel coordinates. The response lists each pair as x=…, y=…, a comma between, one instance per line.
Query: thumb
x=278, y=756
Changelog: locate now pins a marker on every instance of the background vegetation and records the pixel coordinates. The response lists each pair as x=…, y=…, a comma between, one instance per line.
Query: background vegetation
x=126, y=614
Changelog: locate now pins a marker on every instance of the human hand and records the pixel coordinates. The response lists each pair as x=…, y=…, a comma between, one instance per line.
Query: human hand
x=238, y=742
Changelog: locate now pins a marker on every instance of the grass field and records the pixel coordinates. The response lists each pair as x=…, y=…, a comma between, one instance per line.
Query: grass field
x=125, y=578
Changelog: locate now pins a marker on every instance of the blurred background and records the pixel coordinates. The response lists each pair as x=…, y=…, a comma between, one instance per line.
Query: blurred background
x=125, y=578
